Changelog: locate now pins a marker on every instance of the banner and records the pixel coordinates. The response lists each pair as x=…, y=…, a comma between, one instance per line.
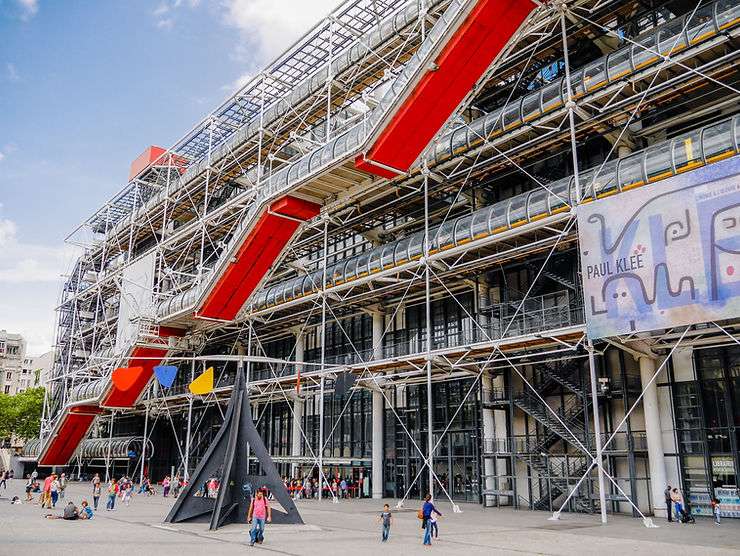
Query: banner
x=666, y=254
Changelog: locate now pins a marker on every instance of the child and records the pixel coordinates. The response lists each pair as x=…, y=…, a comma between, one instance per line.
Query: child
x=86, y=512
x=385, y=518
x=435, y=529
x=716, y=510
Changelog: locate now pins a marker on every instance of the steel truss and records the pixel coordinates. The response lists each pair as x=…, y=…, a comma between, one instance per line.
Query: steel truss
x=186, y=217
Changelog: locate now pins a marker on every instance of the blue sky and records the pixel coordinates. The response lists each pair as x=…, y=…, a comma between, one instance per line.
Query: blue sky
x=85, y=86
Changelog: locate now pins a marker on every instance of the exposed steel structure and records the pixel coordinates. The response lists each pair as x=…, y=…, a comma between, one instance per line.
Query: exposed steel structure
x=381, y=228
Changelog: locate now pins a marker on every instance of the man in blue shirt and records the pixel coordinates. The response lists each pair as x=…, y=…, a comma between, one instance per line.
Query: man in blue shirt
x=426, y=511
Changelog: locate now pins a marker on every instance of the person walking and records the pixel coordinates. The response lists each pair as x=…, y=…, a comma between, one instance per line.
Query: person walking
x=29, y=488
x=54, y=490
x=96, y=491
x=62, y=485
x=166, y=486
x=385, y=518
x=426, y=511
x=176, y=484
x=46, y=492
x=668, y=503
x=112, y=491
x=343, y=487
x=259, y=512
x=435, y=528
x=4, y=479
x=127, y=488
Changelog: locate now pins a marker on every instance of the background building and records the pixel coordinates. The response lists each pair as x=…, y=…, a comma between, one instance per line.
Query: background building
x=371, y=351
x=36, y=370
x=13, y=379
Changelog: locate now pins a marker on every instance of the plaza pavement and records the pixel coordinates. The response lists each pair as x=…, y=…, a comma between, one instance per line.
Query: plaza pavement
x=349, y=527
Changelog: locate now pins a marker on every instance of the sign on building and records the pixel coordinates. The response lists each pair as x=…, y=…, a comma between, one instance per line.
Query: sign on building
x=666, y=254
x=137, y=286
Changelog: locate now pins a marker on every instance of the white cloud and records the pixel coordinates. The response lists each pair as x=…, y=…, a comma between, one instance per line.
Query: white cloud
x=2, y=155
x=27, y=263
x=30, y=277
x=238, y=83
x=12, y=72
x=29, y=8
x=7, y=232
x=273, y=25
x=164, y=13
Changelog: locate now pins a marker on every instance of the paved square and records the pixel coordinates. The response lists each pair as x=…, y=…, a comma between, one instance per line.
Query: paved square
x=349, y=527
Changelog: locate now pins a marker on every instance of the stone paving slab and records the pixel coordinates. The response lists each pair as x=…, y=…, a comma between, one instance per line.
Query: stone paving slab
x=349, y=527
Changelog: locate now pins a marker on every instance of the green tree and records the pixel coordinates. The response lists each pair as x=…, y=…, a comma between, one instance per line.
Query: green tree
x=20, y=415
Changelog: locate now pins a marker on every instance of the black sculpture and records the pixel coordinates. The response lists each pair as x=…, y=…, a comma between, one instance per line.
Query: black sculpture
x=227, y=460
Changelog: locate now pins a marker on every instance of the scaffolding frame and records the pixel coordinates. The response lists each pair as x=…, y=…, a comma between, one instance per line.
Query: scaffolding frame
x=184, y=255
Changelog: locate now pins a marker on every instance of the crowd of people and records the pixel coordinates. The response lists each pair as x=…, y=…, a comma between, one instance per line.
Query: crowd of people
x=336, y=487
x=51, y=490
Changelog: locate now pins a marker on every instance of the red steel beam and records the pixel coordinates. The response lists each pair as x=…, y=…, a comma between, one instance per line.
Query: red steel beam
x=462, y=62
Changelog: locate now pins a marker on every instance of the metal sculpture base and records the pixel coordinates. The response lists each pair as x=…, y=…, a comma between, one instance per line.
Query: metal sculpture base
x=227, y=460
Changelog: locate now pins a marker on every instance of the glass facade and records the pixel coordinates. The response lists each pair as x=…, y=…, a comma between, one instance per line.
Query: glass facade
x=707, y=428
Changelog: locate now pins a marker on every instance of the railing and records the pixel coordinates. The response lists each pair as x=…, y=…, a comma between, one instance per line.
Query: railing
x=526, y=445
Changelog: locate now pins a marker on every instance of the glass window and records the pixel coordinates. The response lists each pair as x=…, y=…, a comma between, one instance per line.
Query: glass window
x=537, y=204
x=416, y=246
x=576, y=85
x=493, y=124
x=605, y=180
x=442, y=237
x=374, y=264
x=715, y=409
x=644, y=53
x=701, y=25
x=518, y=210
x=594, y=76
x=586, y=180
x=687, y=152
x=462, y=230
x=619, y=63
x=459, y=140
x=728, y=13
x=552, y=96
x=531, y=106
x=658, y=162
x=340, y=146
x=387, y=257
x=512, y=114
x=480, y=223
x=630, y=172
x=402, y=255
x=717, y=141
x=671, y=37
x=476, y=132
x=560, y=195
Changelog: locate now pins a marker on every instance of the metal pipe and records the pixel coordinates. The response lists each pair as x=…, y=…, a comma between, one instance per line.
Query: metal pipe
x=570, y=105
x=428, y=306
x=186, y=473
x=323, y=362
x=597, y=428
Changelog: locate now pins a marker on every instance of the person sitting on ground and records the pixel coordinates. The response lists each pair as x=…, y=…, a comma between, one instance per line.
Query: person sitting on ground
x=70, y=513
x=85, y=511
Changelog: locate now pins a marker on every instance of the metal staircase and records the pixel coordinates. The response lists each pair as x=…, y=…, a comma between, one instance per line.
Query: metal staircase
x=569, y=426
